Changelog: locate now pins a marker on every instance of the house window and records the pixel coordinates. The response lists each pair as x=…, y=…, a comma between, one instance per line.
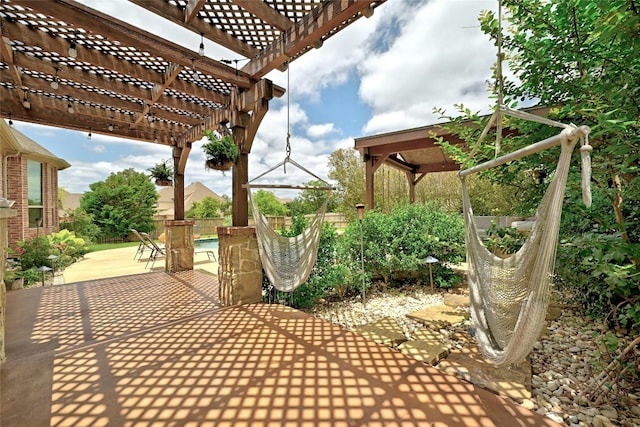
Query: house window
x=34, y=190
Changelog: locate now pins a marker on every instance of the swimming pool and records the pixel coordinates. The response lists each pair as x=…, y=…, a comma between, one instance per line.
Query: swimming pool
x=211, y=244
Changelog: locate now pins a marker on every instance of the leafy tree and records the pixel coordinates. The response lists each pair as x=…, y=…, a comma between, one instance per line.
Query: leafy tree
x=580, y=58
x=123, y=201
x=310, y=201
x=346, y=168
x=208, y=207
x=269, y=204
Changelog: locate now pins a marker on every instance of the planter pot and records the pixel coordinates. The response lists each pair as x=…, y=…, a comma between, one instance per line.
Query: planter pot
x=15, y=284
x=221, y=165
x=164, y=182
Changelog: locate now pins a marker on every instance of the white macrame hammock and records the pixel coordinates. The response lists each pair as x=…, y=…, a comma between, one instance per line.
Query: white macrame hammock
x=287, y=261
x=510, y=297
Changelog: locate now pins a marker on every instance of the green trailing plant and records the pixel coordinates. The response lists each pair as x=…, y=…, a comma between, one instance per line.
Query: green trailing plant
x=221, y=151
x=162, y=173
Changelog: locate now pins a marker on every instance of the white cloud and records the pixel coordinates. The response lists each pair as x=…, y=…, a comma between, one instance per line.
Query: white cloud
x=98, y=148
x=439, y=58
x=317, y=131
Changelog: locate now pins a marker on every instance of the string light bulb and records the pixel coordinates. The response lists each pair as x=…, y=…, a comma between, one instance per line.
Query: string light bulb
x=54, y=84
x=73, y=51
x=201, y=50
x=89, y=135
x=155, y=138
x=25, y=101
x=110, y=127
x=10, y=121
x=70, y=109
x=196, y=76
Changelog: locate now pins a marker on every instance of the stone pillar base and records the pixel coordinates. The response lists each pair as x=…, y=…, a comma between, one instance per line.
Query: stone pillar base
x=178, y=245
x=240, y=269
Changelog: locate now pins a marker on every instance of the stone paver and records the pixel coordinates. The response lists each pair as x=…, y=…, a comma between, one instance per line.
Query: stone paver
x=438, y=315
x=385, y=331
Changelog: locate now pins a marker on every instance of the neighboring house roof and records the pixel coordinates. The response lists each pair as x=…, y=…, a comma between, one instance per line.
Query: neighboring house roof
x=69, y=200
x=14, y=141
x=194, y=192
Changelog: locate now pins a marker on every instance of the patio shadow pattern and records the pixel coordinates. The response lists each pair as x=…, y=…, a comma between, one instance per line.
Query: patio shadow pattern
x=158, y=349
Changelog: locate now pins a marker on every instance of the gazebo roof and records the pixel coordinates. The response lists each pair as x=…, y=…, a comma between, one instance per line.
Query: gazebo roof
x=114, y=78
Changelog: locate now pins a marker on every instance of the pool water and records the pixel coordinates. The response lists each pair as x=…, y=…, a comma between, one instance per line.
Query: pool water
x=211, y=244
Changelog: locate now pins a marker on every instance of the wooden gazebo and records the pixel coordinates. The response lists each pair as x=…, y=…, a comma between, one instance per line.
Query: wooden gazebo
x=413, y=151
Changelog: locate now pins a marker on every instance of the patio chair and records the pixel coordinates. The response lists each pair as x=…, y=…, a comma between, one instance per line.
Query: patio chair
x=156, y=250
x=143, y=244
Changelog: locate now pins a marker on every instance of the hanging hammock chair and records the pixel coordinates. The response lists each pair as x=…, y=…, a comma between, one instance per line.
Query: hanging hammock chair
x=510, y=297
x=288, y=261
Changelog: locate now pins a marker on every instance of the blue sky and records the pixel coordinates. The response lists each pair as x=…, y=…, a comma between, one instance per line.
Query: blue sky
x=381, y=74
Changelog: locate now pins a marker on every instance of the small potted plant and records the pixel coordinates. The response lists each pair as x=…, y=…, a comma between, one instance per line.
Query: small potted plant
x=162, y=173
x=221, y=151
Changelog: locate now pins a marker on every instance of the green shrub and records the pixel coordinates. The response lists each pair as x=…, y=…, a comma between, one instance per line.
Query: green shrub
x=34, y=252
x=82, y=224
x=31, y=277
x=397, y=244
x=504, y=240
x=68, y=247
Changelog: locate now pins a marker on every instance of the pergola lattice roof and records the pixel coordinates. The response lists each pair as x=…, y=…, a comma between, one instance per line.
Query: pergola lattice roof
x=114, y=78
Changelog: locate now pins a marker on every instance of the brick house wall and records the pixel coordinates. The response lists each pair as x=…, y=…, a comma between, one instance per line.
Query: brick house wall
x=16, y=151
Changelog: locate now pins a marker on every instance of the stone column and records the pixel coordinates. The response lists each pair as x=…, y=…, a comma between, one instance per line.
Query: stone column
x=4, y=214
x=178, y=245
x=240, y=269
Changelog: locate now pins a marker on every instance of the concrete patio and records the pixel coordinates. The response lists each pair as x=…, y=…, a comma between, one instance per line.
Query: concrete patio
x=158, y=349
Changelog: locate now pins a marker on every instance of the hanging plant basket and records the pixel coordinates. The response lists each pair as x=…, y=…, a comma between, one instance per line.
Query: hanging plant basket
x=164, y=182
x=162, y=174
x=221, y=151
x=219, y=164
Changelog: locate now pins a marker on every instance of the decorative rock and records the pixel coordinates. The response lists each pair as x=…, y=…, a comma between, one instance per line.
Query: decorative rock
x=455, y=300
x=601, y=421
x=609, y=412
x=555, y=417
x=528, y=404
x=636, y=410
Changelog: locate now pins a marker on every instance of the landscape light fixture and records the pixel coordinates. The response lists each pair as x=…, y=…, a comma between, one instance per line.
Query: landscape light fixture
x=55, y=84
x=431, y=260
x=25, y=101
x=201, y=50
x=73, y=52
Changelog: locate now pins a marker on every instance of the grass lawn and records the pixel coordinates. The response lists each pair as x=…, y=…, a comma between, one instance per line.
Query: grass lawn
x=107, y=246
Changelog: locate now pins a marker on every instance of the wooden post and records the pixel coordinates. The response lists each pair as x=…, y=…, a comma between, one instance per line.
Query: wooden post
x=369, y=173
x=240, y=208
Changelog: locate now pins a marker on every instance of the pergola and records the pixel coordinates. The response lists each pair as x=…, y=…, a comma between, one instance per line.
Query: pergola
x=66, y=65
x=414, y=151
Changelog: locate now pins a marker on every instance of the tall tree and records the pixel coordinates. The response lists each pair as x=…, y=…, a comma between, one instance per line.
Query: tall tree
x=269, y=204
x=346, y=168
x=123, y=201
x=208, y=207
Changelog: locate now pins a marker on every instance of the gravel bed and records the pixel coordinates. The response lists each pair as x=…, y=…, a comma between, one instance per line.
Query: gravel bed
x=564, y=361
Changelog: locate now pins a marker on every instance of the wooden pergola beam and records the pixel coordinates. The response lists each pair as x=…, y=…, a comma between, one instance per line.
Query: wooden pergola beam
x=307, y=32
x=189, y=20
x=98, y=23
x=266, y=13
